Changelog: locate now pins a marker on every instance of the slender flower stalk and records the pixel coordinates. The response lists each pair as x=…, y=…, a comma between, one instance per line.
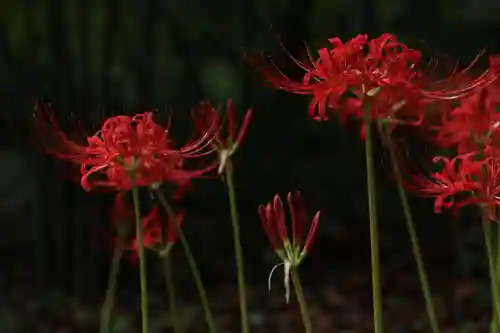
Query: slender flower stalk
x=372, y=209
x=168, y=238
x=109, y=301
x=142, y=258
x=422, y=274
x=161, y=238
x=238, y=250
x=291, y=251
x=169, y=282
x=191, y=261
x=226, y=146
x=120, y=215
x=306, y=318
x=491, y=266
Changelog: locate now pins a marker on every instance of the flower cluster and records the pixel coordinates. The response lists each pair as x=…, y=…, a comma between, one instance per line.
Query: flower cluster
x=157, y=236
x=472, y=176
x=379, y=79
x=387, y=78
x=381, y=74
x=128, y=152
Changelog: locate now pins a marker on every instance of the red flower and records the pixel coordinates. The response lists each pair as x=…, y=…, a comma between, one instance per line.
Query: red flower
x=455, y=177
x=272, y=217
x=473, y=124
x=468, y=179
x=488, y=197
x=344, y=75
x=293, y=251
x=152, y=230
x=128, y=146
x=122, y=216
x=381, y=74
x=227, y=143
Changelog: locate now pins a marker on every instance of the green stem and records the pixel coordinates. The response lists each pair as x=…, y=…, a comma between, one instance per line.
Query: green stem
x=237, y=246
x=491, y=265
x=174, y=316
x=422, y=274
x=306, y=318
x=372, y=209
x=142, y=259
x=191, y=261
x=109, y=300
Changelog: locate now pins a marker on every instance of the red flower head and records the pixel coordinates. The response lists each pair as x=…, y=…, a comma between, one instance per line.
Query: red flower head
x=472, y=125
x=381, y=74
x=154, y=238
x=227, y=143
x=293, y=251
x=345, y=75
x=468, y=179
x=128, y=151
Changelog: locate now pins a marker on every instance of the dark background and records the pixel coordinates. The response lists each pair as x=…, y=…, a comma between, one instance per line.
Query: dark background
x=94, y=58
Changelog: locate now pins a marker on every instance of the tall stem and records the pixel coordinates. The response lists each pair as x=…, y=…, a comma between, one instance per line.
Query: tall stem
x=237, y=246
x=422, y=274
x=109, y=301
x=492, y=269
x=142, y=259
x=306, y=318
x=372, y=208
x=171, y=294
x=191, y=261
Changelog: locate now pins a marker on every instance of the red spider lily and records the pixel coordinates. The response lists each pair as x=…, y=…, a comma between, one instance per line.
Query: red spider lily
x=473, y=176
x=227, y=143
x=126, y=146
x=473, y=124
x=154, y=237
x=349, y=69
x=455, y=177
x=122, y=215
x=293, y=251
x=381, y=74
